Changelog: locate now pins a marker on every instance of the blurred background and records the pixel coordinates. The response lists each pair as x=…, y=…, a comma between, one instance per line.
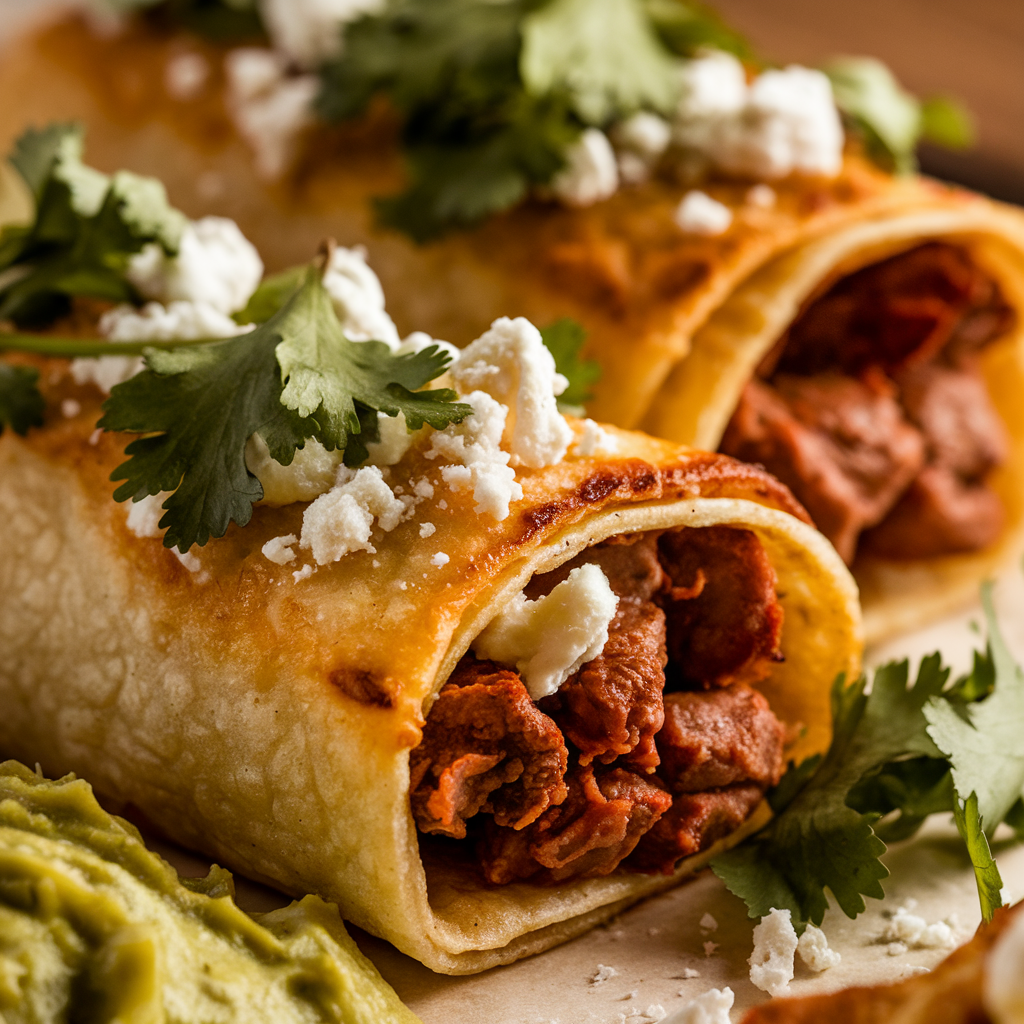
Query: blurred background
x=972, y=49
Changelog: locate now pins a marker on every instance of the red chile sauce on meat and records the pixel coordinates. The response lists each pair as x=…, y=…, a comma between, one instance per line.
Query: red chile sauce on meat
x=871, y=408
x=652, y=751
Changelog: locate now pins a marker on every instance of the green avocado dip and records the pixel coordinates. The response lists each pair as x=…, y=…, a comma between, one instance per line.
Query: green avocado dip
x=96, y=929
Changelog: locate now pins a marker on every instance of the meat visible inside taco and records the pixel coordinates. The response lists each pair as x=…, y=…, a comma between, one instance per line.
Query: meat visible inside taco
x=650, y=751
x=873, y=410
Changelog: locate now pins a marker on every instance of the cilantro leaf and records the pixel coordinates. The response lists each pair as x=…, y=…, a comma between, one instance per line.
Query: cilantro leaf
x=889, y=118
x=564, y=339
x=970, y=826
x=603, y=54
x=271, y=294
x=328, y=377
x=686, y=27
x=216, y=19
x=983, y=739
x=21, y=404
x=87, y=227
x=293, y=377
x=817, y=840
x=474, y=139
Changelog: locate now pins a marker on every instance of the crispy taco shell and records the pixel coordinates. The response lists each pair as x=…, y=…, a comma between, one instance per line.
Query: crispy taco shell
x=268, y=722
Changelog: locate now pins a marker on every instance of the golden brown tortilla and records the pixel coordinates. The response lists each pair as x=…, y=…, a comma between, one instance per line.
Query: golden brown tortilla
x=268, y=722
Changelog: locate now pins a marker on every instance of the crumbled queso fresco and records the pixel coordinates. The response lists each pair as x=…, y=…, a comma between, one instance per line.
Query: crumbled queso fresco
x=549, y=639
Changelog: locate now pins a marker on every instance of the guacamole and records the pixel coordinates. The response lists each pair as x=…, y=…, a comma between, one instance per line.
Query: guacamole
x=96, y=929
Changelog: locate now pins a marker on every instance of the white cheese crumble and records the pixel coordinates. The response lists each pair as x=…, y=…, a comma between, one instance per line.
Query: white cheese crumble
x=310, y=31
x=710, y=948
x=1003, y=984
x=439, y=559
x=185, y=74
x=474, y=448
x=639, y=141
x=216, y=266
x=916, y=933
x=814, y=951
x=70, y=408
x=342, y=520
x=762, y=196
x=358, y=298
x=590, y=173
x=547, y=640
x=712, y=1007
x=594, y=439
x=302, y=574
x=419, y=340
x=269, y=108
x=153, y=322
x=312, y=471
x=708, y=923
x=144, y=515
x=513, y=365
x=394, y=442
x=187, y=559
x=785, y=121
x=602, y=974
x=279, y=549
x=896, y=948
x=690, y=972
x=775, y=944
x=427, y=529
x=699, y=214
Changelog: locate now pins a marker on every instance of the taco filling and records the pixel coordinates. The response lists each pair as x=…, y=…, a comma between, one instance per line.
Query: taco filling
x=649, y=752
x=872, y=408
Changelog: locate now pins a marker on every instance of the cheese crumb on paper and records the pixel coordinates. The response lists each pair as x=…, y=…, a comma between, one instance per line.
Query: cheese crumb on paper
x=775, y=945
x=710, y=948
x=711, y=1007
x=915, y=932
x=602, y=974
x=547, y=640
x=708, y=923
x=814, y=950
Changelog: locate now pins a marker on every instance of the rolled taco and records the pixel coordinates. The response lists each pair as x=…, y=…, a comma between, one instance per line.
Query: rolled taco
x=480, y=736
x=681, y=318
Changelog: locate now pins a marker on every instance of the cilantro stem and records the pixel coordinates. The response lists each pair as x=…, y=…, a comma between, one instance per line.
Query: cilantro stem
x=69, y=348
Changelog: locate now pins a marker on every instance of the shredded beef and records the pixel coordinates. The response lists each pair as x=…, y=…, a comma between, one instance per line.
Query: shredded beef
x=693, y=823
x=719, y=738
x=486, y=747
x=723, y=619
x=900, y=312
x=844, y=449
x=613, y=705
x=588, y=835
x=875, y=414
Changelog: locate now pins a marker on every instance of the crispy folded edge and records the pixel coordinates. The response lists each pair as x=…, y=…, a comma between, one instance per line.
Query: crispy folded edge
x=697, y=399
x=278, y=773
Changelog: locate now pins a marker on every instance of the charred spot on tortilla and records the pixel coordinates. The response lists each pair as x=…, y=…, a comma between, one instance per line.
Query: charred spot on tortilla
x=647, y=753
x=872, y=408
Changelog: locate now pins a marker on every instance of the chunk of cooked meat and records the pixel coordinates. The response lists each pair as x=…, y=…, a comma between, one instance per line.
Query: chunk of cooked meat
x=723, y=618
x=613, y=705
x=952, y=407
x=939, y=515
x=899, y=312
x=845, y=449
x=693, y=823
x=718, y=738
x=486, y=747
x=588, y=835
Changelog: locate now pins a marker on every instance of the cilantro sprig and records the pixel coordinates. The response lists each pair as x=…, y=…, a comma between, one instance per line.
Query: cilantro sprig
x=564, y=340
x=85, y=229
x=294, y=377
x=890, y=120
x=899, y=753
x=492, y=94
